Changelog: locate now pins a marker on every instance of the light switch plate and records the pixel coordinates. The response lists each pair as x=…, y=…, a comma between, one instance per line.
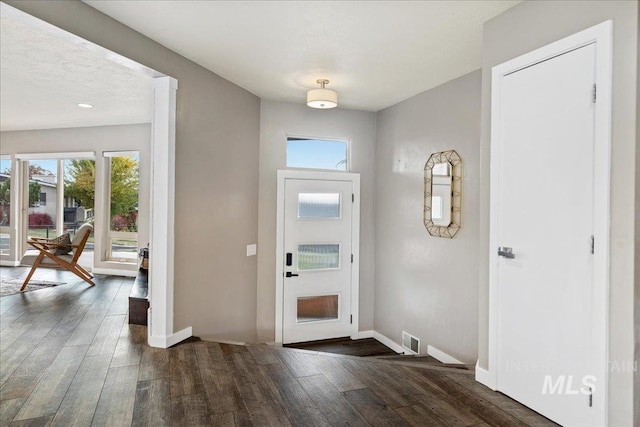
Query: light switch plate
x=252, y=249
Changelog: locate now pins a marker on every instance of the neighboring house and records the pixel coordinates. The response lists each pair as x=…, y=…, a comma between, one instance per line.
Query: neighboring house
x=47, y=203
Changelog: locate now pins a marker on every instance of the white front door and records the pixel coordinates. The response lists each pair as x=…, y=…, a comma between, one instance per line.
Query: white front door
x=317, y=259
x=543, y=222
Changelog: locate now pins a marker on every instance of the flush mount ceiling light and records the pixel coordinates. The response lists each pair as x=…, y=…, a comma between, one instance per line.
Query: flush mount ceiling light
x=322, y=98
x=85, y=105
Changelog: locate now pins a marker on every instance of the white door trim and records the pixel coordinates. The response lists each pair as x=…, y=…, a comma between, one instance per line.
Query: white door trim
x=600, y=34
x=161, y=227
x=355, y=241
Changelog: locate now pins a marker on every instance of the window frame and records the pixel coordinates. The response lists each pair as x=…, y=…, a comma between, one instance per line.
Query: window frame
x=112, y=235
x=345, y=141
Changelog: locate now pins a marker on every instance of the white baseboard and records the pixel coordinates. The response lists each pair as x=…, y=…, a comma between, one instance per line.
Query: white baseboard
x=484, y=377
x=8, y=263
x=363, y=334
x=442, y=356
x=226, y=341
x=389, y=343
x=173, y=339
x=114, y=272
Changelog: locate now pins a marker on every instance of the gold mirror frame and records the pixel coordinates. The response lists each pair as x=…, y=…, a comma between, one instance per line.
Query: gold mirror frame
x=456, y=194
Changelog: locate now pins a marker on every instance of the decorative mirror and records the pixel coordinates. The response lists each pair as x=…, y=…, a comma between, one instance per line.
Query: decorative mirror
x=443, y=194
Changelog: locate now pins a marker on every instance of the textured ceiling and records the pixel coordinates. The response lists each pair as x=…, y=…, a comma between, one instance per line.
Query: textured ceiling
x=45, y=72
x=375, y=53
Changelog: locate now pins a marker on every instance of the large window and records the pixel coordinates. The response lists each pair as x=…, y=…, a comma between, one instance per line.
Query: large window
x=79, y=200
x=123, y=170
x=43, y=184
x=307, y=153
x=61, y=198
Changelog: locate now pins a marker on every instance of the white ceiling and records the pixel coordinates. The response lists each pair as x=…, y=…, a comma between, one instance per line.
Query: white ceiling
x=375, y=53
x=45, y=72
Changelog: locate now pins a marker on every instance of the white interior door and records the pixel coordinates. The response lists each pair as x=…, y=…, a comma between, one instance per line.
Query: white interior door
x=544, y=204
x=318, y=216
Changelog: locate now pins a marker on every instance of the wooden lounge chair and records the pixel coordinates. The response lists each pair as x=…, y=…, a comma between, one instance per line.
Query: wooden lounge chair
x=43, y=255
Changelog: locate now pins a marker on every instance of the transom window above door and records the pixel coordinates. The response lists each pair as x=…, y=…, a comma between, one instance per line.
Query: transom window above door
x=313, y=153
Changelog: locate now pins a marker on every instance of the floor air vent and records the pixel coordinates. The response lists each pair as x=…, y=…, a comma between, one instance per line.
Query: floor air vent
x=410, y=342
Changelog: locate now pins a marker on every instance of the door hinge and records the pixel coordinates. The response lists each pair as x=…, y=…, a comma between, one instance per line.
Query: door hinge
x=593, y=244
x=594, y=93
x=351, y=258
x=351, y=319
x=353, y=198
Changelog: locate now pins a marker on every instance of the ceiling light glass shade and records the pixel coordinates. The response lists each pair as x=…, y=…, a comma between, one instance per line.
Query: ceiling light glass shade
x=322, y=98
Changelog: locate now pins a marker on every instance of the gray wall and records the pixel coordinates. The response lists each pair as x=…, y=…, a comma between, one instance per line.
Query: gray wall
x=217, y=146
x=98, y=139
x=278, y=120
x=427, y=285
x=526, y=27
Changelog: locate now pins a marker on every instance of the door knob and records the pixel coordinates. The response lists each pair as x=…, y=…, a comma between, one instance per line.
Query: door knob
x=290, y=274
x=506, y=252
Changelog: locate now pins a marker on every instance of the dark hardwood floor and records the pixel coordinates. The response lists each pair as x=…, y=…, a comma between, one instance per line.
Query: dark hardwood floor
x=367, y=347
x=69, y=357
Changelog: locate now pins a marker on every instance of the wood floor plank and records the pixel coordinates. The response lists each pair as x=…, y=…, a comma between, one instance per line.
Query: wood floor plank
x=11, y=331
x=130, y=345
x=120, y=303
x=299, y=363
x=229, y=349
x=33, y=422
x=264, y=355
x=152, y=406
x=189, y=410
x=67, y=325
x=218, y=381
x=12, y=357
x=18, y=340
x=298, y=406
x=26, y=375
x=107, y=336
x=106, y=294
x=185, y=376
x=80, y=402
x=258, y=392
x=45, y=399
x=383, y=381
x=115, y=406
x=341, y=378
x=85, y=333
x=224, y=419
x=242, y=418
x=487, y=412
x=444, y=405
x=504, y=402
x=418, y=415
x=373, y=409
x=9, y=409
x=333, y=405
x=154, y=364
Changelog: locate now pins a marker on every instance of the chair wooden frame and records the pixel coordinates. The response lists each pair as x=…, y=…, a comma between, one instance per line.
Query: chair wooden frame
x=47, y=248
